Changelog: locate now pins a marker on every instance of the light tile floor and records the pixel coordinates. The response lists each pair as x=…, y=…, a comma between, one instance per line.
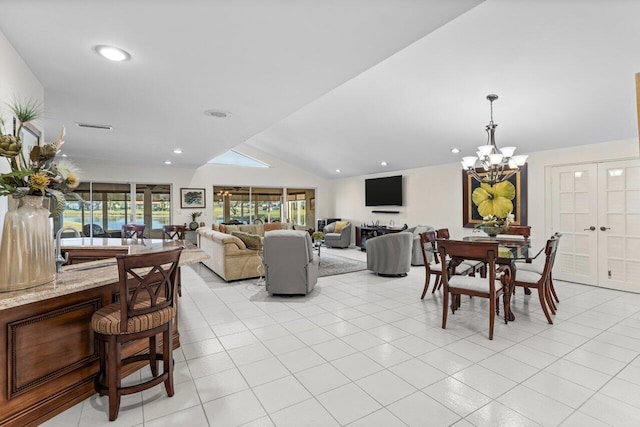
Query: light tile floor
x=364, y=350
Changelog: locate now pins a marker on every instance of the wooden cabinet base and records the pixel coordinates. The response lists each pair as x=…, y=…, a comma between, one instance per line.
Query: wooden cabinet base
x=50, y=356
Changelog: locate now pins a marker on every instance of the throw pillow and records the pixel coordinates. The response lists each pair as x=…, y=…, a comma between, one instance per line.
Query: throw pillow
x=252, y=241
x=340, y=225
x=222, y=228
x=231, y=228
x=270, y=226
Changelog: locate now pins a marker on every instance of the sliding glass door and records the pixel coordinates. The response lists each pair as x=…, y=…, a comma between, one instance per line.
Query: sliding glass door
x=108, y=206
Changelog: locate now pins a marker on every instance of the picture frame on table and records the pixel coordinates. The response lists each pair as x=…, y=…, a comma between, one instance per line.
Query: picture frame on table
x=30, y=137
x=470, y=215
x=192, y=198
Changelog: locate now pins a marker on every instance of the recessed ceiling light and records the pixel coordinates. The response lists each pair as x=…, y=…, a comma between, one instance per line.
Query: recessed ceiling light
x=113, y=53
x=338, y=170
x=63, y=155
x=177, y=151
x=383, y=163
x=455, y=150
x=220, y=114
x=167, y=162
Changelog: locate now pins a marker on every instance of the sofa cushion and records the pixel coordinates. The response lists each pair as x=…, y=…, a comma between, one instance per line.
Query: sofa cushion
x=252, y=241
x=340, y=225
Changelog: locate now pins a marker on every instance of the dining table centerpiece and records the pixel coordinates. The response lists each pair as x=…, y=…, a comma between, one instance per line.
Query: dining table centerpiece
x=37, y=186
x=493, y=225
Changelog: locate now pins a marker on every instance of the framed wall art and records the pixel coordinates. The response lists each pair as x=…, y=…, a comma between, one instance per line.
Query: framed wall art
x=192, y=198
x=29, y=136
x=470, y=214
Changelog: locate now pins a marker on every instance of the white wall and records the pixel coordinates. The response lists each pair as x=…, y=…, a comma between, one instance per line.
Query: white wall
x=16, y=81
x=433, y=195
x=280, y=174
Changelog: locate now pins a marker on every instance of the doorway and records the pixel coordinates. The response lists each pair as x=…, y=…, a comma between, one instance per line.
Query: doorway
x=597, y=209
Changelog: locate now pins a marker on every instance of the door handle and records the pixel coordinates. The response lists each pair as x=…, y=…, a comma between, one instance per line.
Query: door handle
x=592, y=228
x=603, y=228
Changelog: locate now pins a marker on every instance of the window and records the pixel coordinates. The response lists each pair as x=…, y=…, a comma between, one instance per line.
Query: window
x=108, y=206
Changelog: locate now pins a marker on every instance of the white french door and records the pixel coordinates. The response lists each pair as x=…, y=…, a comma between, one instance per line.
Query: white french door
x=575, y=212
x=597, y=209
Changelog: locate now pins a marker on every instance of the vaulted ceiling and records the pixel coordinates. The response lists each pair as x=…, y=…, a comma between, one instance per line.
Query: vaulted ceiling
x=330, y=85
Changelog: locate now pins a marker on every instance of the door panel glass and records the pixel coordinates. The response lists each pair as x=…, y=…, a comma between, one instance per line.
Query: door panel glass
x=566, y=181
x=633, y=201
x=581, y=180
x=633, y=225
x=633, y=178
x=615, y=201
x=633, y=248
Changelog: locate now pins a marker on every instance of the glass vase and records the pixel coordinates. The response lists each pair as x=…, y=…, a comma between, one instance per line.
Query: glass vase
x=27, y=256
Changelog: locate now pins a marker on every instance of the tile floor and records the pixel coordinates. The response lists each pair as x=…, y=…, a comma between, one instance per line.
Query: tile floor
x=363, y=350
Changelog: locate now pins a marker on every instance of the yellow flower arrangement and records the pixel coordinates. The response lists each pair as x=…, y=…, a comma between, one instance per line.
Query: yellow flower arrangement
x=40, y=174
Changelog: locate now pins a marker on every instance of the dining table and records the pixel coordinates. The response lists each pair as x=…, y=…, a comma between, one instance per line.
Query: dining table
x=511, y=251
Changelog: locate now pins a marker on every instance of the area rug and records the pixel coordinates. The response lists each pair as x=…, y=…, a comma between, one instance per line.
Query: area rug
x=331, y=265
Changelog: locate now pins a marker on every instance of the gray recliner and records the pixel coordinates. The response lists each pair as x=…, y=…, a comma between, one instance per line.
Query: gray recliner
x=290, y=266
x=390, y=254
x=416, y=251
x=337, y=240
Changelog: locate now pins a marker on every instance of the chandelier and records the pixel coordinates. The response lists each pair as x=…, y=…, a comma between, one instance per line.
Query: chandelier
x=493, y=165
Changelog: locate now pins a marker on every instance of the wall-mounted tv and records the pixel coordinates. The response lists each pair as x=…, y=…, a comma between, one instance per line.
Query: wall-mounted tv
x=385, y=191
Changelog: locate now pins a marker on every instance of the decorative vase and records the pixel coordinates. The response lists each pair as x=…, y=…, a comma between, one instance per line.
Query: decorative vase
x=193, y=225
x=27, y=256
x=491, y=230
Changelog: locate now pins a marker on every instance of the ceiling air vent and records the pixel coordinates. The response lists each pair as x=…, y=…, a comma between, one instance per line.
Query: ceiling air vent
x=94, y=126
x=220, y=114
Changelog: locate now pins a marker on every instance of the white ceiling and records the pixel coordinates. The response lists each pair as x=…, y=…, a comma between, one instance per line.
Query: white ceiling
x=331, y=84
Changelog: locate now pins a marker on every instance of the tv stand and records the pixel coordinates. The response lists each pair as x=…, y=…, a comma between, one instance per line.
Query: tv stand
x=368, y=232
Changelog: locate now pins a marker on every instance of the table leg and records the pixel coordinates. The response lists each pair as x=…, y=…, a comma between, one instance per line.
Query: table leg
x=507, y=280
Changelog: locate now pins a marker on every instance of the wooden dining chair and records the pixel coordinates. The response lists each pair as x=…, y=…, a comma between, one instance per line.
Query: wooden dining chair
x=434, y=268
x=484, y=287
x=476, y=266
x=541, y=280
x=147, y=308
x=518, y=230
x=173, y=232
x=132, y=231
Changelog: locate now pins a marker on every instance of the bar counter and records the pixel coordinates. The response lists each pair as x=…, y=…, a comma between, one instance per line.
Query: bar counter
x=50, y=356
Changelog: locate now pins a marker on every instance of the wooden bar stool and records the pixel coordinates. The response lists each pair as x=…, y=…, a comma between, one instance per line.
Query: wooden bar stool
x=173, y=232
x=146, y=308
x=132, y=231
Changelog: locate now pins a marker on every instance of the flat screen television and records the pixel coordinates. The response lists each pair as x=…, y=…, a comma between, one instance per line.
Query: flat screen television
x=385, y=191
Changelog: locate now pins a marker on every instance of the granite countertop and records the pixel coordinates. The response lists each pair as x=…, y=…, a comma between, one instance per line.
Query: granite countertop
x=88, y=275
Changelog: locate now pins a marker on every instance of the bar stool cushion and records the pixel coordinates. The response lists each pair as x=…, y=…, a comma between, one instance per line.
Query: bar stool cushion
x=106, y=321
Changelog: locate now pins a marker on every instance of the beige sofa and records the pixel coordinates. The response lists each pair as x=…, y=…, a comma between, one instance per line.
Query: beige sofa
x=229, y=256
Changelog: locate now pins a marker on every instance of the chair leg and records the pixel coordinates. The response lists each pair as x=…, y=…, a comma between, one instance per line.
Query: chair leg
x=548, y=299
x=435, y=284
x=506, y=308
x=113, y=374
x=153, y=360
x=497, y=306
x=553, y=290
x=543, y=303
x=167, y=359
x=492, y=316
x=426, y=285
x=102, y=375
x=445, y=309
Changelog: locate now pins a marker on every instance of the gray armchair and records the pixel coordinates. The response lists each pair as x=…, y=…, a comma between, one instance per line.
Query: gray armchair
x=290, y=266
x=337, y=240
x=416, y=251
x=390, y=254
